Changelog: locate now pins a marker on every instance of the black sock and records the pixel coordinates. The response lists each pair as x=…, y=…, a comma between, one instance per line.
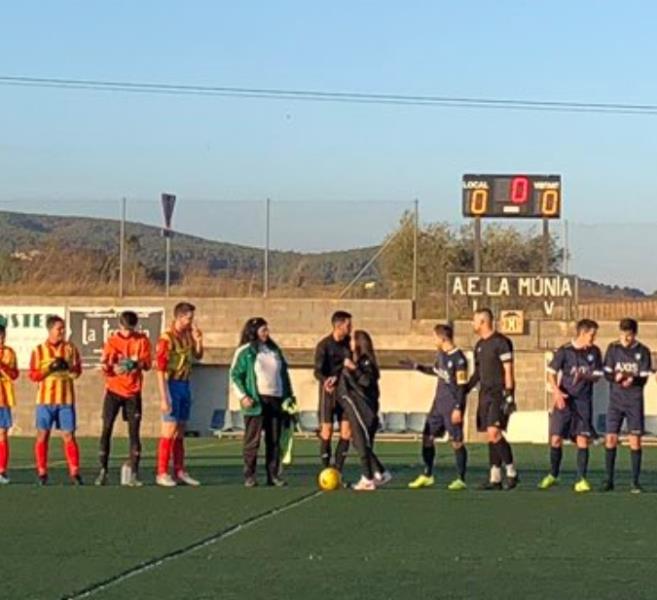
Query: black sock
x=428, y=456
x=135, y=455
x=341, y=453
x=610, y=463
x=325, y=452
x=582, y=462
x=494, y=458
x=555, y=460
x=461, y=456
x=636, y=465
x=504, y=450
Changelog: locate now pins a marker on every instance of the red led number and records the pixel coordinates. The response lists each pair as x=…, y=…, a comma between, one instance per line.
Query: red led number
x=520, y=190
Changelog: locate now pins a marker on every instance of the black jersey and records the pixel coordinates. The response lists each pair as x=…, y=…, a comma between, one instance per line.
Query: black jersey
x=577, y=367
x=490, y=354
x=451, y=368
x=363, y=381
x=633, y=361
x=330, y=356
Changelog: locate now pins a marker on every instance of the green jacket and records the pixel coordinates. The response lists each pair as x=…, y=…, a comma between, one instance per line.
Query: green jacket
x=243, y=377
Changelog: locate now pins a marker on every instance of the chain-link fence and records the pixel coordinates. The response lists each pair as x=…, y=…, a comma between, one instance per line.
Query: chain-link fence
x=324, y=249
x=219, y=248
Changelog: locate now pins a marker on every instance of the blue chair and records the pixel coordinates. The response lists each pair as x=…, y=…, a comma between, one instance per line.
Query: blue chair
x=651, y=425
x=236, y=420
x=308, y=420
x=395, y=422
x=415, y=422
x=218, y=420
x=601, y=423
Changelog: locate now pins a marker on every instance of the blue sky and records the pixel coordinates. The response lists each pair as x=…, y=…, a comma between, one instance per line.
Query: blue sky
x=65, y=151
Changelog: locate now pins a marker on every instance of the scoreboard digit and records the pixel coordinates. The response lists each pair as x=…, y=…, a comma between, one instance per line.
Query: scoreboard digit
x=512, y=196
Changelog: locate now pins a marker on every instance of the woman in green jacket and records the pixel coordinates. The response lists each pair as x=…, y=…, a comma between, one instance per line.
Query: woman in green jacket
x=260, y=378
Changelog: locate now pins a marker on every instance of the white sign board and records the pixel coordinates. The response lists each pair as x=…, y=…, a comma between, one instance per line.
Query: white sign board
x=26, y=328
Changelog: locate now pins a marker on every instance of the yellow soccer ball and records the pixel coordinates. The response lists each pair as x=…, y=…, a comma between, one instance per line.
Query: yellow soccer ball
x=329, y=479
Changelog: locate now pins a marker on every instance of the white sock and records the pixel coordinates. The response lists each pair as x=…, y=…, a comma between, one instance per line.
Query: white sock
x=511, y=471
x=495, y=474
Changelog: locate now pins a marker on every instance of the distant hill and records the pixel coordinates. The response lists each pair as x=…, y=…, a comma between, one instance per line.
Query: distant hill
x=39, y=249
x=24, y=234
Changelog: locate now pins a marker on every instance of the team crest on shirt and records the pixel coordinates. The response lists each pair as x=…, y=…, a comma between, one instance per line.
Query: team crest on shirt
x=637, y=356
x=590, y=357
x=450, y=364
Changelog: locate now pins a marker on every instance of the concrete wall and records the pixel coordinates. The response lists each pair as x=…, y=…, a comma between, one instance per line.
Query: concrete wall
x=297, y=326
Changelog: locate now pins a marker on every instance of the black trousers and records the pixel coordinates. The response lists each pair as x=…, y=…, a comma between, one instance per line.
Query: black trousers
x=364, y=421
x=131, y=409
x=270, y=421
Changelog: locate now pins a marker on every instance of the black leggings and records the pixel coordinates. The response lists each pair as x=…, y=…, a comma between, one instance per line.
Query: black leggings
x=131, y=409
x=364, y=421
x=270, y=420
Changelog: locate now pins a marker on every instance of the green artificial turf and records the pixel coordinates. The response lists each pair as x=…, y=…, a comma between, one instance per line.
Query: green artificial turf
x=295, y=543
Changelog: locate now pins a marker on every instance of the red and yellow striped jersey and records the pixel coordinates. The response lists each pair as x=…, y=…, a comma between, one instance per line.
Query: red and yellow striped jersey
x=55, y=387
x=8, y=373
x=174, y=354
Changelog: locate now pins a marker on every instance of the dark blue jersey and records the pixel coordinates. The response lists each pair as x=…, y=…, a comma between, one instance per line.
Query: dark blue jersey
x=451, y=368
x=578, y=367
x=633, y=361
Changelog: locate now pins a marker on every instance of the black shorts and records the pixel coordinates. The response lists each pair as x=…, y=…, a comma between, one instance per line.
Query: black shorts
x=130, y=407
x=439, y=422
x=489, y=411
x=330, y=408
x=575, y=420
x=632, y=411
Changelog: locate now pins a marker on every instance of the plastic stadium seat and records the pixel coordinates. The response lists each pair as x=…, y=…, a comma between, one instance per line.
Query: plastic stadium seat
x=415, y=422
x=236, y=420
x=308, y=420
x=395, y=422
x=218, y=420
x=651, y=425
x=601, y=423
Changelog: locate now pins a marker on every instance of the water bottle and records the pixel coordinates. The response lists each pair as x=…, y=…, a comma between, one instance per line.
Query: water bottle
x=126, y=473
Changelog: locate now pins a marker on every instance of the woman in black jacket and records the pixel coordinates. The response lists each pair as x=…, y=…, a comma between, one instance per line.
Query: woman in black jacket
x=360, y=392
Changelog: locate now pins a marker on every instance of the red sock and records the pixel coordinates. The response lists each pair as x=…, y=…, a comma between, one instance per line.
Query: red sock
x=41, y=456
x=72, y=452
x=164, y=455
x=178, y=455
x=4, y=456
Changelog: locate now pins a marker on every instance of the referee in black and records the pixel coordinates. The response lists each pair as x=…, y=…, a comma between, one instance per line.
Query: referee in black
x=330, y=355
x=493, y=358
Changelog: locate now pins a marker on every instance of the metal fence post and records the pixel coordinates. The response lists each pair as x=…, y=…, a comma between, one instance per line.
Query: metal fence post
x=122, y=248
x=416, y=227
x=265, y=282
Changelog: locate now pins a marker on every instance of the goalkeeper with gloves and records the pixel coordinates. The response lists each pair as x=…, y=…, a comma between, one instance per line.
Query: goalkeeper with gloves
x=126, y=355
x=493, y=359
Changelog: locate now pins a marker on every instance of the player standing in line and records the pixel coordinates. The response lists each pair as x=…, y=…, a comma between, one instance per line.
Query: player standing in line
x=8, y=374
x=493, y=356
x=447, y=410
x=55, y=365
x=627, y=366
x=359, y=391
x=575, y=367
x=330, y=355
x=126, y=355
x=176, y=349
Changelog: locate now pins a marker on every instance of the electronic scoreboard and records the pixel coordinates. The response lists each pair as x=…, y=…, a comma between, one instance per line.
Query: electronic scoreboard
x=519, y=196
